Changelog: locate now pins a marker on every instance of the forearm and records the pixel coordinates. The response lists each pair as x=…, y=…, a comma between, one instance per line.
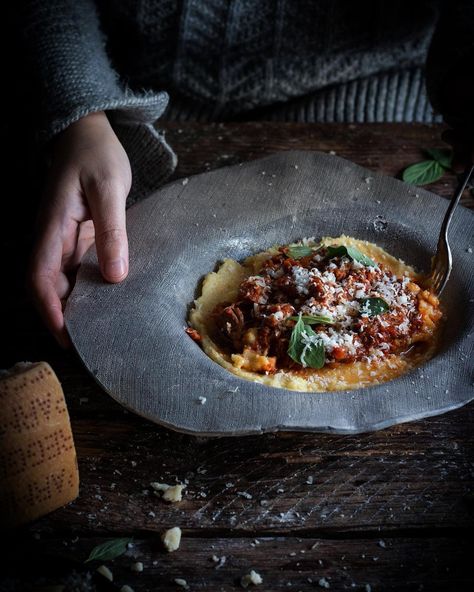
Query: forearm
x=66, y=54
x=66, y=51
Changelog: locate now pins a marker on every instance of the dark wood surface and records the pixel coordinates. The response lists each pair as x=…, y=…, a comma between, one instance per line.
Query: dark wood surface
x=391, y=510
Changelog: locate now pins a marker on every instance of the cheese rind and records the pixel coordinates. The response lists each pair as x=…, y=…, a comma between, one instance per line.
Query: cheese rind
x=38, y=465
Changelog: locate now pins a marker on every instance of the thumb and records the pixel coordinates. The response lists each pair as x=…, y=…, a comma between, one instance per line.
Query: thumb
x=107, y=204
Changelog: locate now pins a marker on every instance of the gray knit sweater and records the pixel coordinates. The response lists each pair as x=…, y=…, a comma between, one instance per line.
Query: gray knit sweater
x=303, y=60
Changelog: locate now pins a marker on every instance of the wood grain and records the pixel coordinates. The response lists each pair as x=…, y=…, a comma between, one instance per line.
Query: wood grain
x=413, y=477
x=410, y=485
x=386, y=148
x=402, y=564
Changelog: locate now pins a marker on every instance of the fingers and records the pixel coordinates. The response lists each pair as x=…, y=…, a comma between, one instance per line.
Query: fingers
x=85, y=240
x=90, y=177
x=50, y=308
x=47, y=285
x=106, y=200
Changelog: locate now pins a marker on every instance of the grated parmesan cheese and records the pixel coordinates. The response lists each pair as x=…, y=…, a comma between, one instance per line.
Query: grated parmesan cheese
x=335, y=287
x=251, y=578
x=172, y=539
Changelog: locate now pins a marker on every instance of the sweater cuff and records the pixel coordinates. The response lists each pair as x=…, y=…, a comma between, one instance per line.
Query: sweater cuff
x=147, y=108
x=152, y=160
x=133, y=119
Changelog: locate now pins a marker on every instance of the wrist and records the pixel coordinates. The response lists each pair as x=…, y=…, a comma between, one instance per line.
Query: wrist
x=83, y=133
x=91, y=119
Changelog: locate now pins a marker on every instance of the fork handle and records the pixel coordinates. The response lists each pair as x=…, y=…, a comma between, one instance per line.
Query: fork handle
x=455, y=200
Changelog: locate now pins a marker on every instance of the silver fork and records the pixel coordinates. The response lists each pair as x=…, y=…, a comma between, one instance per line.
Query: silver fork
x=443, y=261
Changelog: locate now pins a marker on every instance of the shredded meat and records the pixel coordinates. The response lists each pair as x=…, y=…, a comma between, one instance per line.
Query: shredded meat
x=195, y=335
x=230, y=321
x=259, y=324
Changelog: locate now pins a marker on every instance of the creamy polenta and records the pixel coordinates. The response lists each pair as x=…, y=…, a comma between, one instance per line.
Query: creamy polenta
x=334, y=315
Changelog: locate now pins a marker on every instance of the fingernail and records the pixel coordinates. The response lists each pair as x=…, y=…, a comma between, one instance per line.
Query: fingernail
x=115, y=268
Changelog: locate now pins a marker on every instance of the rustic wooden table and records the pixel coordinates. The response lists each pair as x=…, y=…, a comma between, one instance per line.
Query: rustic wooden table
x=391, y=510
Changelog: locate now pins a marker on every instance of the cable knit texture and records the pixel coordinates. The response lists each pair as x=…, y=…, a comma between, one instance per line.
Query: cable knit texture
x=284, y=60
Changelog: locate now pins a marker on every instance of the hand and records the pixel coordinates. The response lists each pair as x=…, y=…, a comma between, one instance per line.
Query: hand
x=85, y=195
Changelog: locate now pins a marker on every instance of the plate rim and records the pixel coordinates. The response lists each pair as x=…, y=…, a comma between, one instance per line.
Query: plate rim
x=361, y=428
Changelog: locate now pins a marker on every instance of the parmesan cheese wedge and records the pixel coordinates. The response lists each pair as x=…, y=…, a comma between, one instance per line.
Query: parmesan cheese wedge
x=37, y=451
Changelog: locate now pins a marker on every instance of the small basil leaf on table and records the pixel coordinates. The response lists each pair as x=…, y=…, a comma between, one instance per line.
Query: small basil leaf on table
x=373, y=306
x=422, y=173
x=314, y=319
x=109, y=550
x=305, y=347
x=352, y=253
x=444, y=157
x=299, y=251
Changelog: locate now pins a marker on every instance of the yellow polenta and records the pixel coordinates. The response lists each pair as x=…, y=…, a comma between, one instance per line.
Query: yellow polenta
x=223, y=286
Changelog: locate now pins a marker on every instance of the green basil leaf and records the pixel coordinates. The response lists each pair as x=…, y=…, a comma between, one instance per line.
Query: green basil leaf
x=373, y=306
x=299, y=251
x=356, y=255
x=109, y=550
x=444, y=157
x=338, y=251
x=352, y=252
x=312, y=355
x=314, y=319
x=296, y=346
x=422, y=173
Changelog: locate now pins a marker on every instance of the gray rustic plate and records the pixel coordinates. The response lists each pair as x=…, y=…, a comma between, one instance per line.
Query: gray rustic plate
x=131, y=335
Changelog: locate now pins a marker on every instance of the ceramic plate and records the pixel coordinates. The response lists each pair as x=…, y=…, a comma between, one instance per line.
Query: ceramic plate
x=131, y=335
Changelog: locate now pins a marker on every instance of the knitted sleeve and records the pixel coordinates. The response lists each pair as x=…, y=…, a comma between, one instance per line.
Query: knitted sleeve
x=450, y=64
x=67, y=57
